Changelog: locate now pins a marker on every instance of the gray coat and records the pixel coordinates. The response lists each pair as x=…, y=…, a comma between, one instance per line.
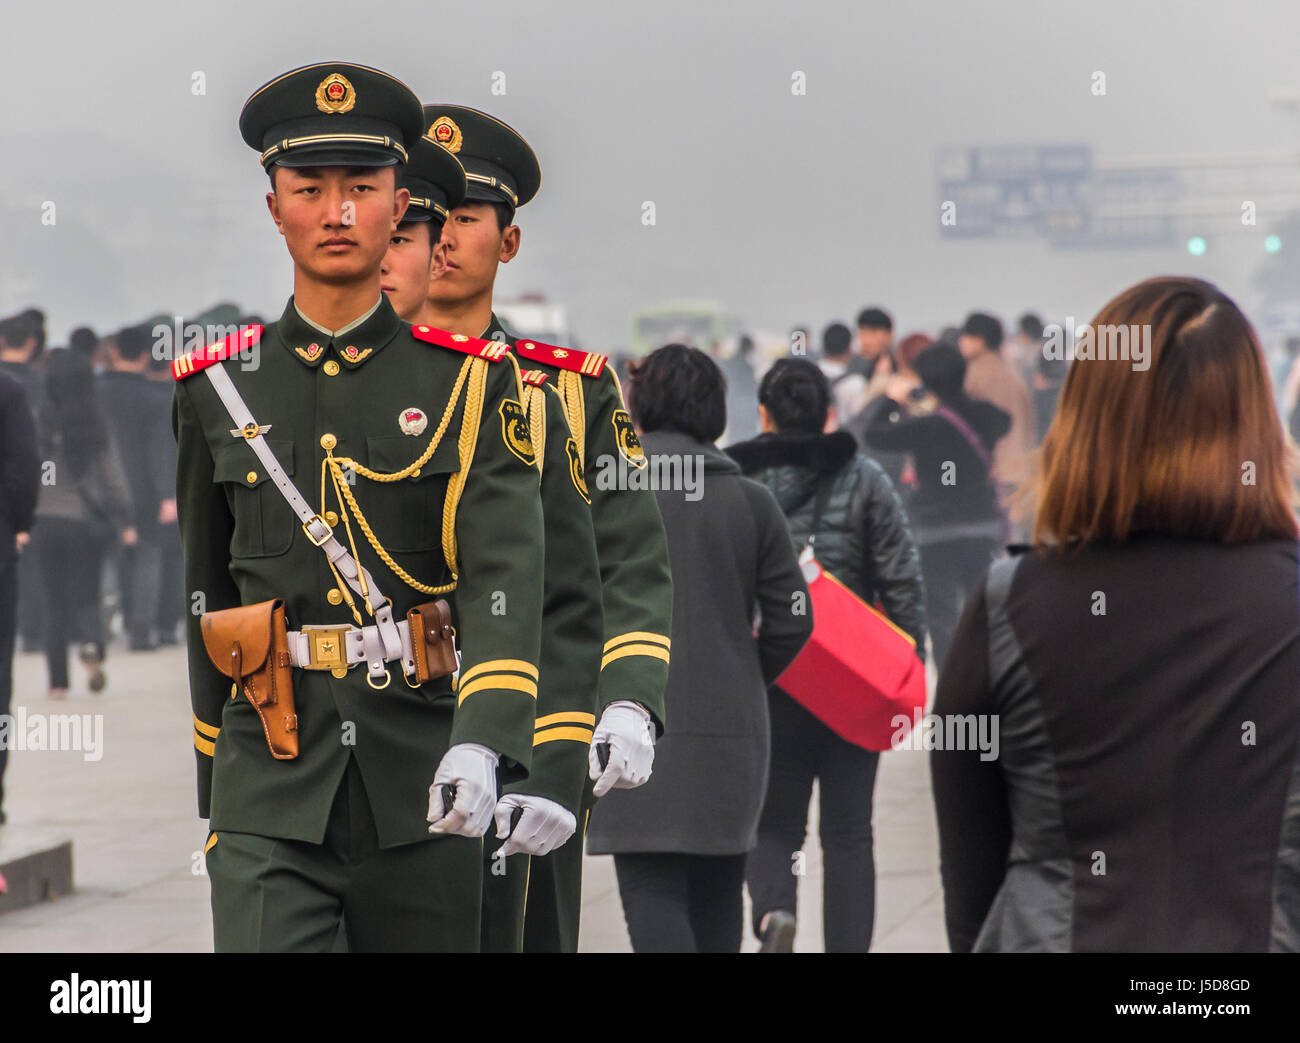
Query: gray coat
x=737, y=596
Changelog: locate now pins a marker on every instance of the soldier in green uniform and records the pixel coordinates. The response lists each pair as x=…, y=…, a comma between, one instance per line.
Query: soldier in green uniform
x=547, y=803
x=347, y=774
x=636, y=587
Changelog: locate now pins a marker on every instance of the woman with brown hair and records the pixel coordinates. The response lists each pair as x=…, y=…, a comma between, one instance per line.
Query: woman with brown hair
x=1142, y=663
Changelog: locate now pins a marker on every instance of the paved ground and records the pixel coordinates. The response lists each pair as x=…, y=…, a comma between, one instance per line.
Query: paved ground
x=137, y=841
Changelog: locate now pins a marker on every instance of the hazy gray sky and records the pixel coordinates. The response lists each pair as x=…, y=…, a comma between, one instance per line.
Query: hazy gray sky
x=785, y=209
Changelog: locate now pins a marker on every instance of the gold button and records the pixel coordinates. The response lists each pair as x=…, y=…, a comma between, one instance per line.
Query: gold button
x=334, y=597
x=328, y=441
x=331, y=368
x=423, y=329
x=331, y=519
x=251, y=477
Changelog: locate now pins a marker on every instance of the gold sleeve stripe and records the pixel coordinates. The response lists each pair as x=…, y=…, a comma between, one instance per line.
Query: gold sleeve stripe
x=203, y=746
x=575, y=717
x=212, y=842
x=497, y=666
x=582, y=735
x=205, y=729
x=647, y=650
x=494, y=681
x=638, y=635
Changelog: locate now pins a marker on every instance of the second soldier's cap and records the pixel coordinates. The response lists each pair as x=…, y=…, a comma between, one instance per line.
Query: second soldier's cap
x=499, y=164
x=436, y=181
x=332, y=114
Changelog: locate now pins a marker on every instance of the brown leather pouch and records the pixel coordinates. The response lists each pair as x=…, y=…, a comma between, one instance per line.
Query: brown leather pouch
x=433, y=640
x=250, y=645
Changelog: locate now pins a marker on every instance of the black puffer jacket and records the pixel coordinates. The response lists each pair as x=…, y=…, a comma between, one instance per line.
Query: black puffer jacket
x=864, y=539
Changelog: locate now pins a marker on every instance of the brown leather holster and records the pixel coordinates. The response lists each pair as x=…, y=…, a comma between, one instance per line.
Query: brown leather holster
x=250, y=645
x=432, y=640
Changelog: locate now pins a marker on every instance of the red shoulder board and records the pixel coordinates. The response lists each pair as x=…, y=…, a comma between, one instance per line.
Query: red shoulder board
x=535, y=376
x=588, y=363
x=201, y=358
x=492, y=350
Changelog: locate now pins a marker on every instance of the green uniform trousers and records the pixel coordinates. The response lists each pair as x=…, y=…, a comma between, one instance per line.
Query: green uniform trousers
x=271, y=895
x=505, y=897
x=555, y=891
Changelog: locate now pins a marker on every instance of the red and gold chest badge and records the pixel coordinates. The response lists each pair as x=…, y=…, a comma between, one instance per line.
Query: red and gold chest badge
x=446, y=133
x=628, y=443
x=515, y=431
x=412, y=421
x=576, y=471
x=335, y=95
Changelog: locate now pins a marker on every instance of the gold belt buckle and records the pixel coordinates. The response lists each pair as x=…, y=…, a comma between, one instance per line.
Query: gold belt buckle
x=327, y=649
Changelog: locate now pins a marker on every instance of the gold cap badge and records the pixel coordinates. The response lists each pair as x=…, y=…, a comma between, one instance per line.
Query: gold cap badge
x=335, y=94
x=444, y=131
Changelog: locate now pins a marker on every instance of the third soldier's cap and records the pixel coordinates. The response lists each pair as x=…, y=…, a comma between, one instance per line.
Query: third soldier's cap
x=499, y=164
x=332, y=114
x=436, y=181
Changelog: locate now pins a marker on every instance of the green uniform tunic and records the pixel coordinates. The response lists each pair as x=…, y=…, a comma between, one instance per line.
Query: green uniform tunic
x=244, y=545
x=636, y=595
x=572, y=634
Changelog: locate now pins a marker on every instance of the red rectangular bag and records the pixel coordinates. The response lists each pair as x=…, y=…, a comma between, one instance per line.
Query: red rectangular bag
x=858, y=672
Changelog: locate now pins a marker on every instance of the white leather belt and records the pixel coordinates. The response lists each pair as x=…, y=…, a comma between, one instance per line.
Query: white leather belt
x=338, y=648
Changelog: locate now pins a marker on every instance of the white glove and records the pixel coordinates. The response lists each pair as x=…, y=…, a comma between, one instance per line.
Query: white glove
x=472, y=770
x=543, y=826
x=627, y=728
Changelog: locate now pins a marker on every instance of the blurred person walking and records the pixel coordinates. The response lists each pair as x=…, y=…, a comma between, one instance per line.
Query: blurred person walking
x=1046, y=386
x=83, y=509
x=862, y=538
x=742, y=391
x=1024, y=348
x=169, y=614
x=20, y=471
x=897, y=464
x=679, y=842
x=955, y=514
x=991, y=377
x=848, y=389
x=875, y=340
x=22, y=349
x=139, y=413
x=1143, y=661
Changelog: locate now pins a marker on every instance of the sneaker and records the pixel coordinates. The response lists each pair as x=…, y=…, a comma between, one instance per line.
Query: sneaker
x=778, y=935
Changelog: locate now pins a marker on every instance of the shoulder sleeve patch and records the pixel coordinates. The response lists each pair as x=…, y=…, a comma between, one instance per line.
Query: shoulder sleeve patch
x=201, y=358
x=588, y=363
x=492, y=350
x=536, y=377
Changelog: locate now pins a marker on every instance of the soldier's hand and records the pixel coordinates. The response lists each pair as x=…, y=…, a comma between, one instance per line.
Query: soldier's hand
x=543, y=824
x=626, y=729
x=472, y=770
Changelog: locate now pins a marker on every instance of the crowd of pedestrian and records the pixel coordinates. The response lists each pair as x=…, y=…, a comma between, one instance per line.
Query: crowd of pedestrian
x=1104, y=559
x=88, y=537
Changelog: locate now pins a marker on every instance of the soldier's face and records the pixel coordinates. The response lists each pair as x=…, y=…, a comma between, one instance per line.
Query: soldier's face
x=404, y=275
x=471, y=247
x=337, y=221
